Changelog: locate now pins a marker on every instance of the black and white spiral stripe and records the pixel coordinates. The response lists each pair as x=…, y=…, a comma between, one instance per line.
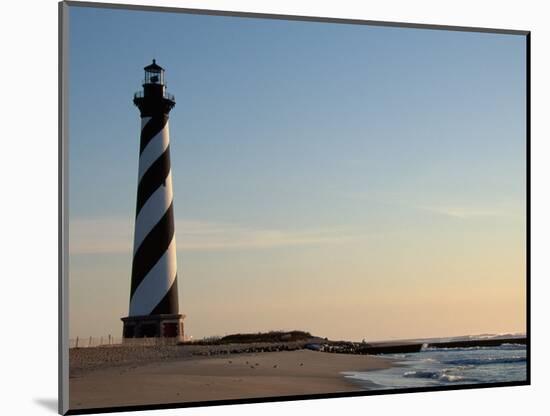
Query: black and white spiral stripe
x=154, y=267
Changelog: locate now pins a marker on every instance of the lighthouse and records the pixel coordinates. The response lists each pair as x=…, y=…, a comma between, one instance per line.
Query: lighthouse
x=154, y=310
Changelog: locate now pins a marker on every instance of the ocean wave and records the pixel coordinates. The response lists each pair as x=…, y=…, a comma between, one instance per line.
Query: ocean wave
x=429, y=360
x=496, y=336
x=453, y=378
x=513, y=347
x=485, y=361
x=500, y=347
x=422, y=374
x=439, y=375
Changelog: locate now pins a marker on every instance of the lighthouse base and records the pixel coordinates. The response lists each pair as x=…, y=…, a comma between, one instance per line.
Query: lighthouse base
x=167, y=327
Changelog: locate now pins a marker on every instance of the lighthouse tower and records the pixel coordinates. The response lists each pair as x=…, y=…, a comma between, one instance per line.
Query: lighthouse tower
x=154, y=290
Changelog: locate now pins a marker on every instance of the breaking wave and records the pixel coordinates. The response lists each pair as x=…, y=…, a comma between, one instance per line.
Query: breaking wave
x=501, y=347
x=439, y=375
x=485, y=361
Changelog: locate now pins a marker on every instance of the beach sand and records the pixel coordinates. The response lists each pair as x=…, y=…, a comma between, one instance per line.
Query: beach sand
x=233, y=376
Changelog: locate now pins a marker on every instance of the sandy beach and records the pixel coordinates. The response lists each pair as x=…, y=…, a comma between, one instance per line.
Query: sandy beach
x=231, y=376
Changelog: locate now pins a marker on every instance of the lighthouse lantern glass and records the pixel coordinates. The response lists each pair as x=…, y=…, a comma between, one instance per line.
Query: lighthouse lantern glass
x=154, y=76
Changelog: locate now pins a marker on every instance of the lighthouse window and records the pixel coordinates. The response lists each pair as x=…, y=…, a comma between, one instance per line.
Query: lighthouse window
x=154, y=77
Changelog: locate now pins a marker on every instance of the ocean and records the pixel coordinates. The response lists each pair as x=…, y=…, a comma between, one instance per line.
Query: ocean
x=433, y=367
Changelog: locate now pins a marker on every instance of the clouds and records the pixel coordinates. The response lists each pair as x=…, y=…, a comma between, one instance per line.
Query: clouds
x=466, y=213
x=211, y=236
x=451, y=208
x=115, y=236
x=100, y=235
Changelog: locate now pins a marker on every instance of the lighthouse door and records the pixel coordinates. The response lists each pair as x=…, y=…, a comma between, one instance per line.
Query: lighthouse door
x=170, y=329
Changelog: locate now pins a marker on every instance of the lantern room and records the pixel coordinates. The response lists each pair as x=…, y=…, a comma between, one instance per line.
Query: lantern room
x=154, y=74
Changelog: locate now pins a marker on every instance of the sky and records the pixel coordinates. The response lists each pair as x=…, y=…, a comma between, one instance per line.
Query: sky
x=354, y=181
